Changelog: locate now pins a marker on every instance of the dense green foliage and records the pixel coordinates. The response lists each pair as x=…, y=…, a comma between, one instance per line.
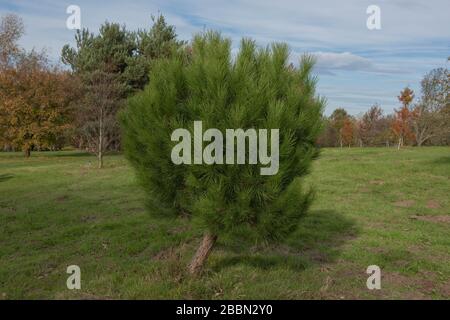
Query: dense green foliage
x=111, y=66
x=120, y=51
x=256, y=89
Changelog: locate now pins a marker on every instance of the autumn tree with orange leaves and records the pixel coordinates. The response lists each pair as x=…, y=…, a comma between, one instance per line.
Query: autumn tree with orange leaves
x=347, y=131
x=34, y=96
x=34, y=106
x=401, y=125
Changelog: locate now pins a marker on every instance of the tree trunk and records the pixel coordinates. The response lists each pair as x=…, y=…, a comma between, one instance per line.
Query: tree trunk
x=27, y=152
x=100, y=159
x=202, y=253
x=400, y=143
x=100, y=141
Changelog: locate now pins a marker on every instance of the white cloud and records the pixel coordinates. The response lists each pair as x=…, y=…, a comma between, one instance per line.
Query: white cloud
x=342, y=61
x=327, y=62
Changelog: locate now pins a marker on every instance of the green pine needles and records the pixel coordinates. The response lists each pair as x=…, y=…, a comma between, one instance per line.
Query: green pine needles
x=257, y=88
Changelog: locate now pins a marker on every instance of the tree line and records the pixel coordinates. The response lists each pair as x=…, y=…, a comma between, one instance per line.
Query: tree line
x=44, y=106
x=417, y=122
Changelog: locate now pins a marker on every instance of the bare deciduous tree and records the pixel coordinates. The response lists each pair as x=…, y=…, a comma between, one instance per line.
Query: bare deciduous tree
x=371, y=126
x=11, y=30
x=430, y=115
x=97, y=121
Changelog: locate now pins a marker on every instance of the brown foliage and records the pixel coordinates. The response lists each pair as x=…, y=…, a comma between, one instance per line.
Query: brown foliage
x=401, y=125
x=347, y=132
x=34, y=105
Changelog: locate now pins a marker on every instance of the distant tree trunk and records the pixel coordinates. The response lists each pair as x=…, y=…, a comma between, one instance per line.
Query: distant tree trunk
x=100, y=141
x=27, y=152
x=202, y=253
x=100, y=159
x=400, y=142
x=421, y=138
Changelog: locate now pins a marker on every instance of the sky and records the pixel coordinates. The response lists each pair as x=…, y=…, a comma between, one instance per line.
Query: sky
x=356, y=67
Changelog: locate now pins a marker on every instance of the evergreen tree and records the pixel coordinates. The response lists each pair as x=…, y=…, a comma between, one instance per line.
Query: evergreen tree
x=257, y=89
x=158, y=42
x=101, y=62
x=114, y=58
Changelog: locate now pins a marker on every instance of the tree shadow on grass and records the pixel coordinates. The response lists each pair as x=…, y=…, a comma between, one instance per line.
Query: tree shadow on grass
x=5, y=177
x=71, y=154
x=317, y=241
x=442, y=160
x=80, y=154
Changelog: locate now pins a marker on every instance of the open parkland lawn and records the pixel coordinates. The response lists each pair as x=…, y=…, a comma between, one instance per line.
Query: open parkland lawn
x=374, y=206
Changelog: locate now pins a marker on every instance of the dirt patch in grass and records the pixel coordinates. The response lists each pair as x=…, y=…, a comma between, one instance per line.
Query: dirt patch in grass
x=394, y=281
x=404, y=203
x=416, y=249
x=318, y=256
x=377, y=182
x=436, y=219
x=433, y=204
x=88, y=296
x=82, y=296
x=62, y=198
x=432, y=283
x=89, y=218
x=445, y=289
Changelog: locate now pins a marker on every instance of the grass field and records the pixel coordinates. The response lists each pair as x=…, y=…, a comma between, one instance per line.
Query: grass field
x=374, y=206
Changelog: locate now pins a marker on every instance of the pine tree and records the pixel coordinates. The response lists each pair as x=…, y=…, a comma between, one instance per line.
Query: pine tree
x=101, y=65
x=111, y=66
x=256, y=89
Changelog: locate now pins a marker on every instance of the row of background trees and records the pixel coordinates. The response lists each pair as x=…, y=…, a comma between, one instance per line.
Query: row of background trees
x=422, y=121
x=47, y=107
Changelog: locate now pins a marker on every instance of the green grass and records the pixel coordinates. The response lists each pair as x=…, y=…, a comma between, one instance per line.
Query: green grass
x=374, y=206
